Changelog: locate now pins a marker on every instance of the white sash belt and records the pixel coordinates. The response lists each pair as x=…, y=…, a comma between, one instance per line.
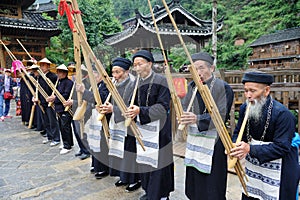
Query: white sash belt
x=200, y=148
x=150, y=138
x=118, y=132
x=264, y=179
x=93, y=128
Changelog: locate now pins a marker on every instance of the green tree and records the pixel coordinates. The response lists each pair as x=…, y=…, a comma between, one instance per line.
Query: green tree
x=97, y=16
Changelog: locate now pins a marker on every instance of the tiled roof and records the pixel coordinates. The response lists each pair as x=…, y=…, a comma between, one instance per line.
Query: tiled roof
x=279, y=36
x=196, y=27
x=30, y=21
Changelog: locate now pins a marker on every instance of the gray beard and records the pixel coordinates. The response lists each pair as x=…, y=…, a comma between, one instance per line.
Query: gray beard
x=256, y=109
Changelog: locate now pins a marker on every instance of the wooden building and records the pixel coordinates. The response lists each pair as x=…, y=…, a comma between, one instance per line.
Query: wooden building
x=279, y=50
x=34, y=32
x=139, y=31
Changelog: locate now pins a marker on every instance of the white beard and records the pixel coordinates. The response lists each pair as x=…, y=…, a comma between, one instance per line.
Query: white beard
x=256, y=108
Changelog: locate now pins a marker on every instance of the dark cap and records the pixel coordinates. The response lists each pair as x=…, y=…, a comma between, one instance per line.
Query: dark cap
x=144, y=54
x=258, y=77
x=203, y=56
x=122, y=62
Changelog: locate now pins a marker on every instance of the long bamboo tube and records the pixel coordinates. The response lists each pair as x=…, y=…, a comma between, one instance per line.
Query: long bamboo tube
x=210, y=104
x=52, y=86
x=128, y=120
x=96, y=93
x=22, y=71
x=50, y=103
x=232, y=161
x=108, y=82
x=101, y=115
x=175, y=99
x=70, y=97
x=111, y=87
x=181, y=126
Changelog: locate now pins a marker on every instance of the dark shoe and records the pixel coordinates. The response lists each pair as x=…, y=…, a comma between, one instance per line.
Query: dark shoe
x=78, y=154
x=99, y=175
x=84, y=156
x=144, y=197
x=119, y=183
x=133, y=187
x=43, y=132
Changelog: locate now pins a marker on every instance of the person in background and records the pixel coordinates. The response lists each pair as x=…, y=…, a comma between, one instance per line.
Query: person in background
x=272, y=165
x=6, y=85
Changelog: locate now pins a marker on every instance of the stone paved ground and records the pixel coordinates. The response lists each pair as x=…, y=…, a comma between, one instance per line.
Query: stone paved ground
x=32, y=170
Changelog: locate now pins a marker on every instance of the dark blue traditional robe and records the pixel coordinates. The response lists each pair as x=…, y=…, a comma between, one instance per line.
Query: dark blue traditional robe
x=211, y=186
x=280, y=133
x=126, y=168
x=99, y=159
x=159, y=182
x=26, y=100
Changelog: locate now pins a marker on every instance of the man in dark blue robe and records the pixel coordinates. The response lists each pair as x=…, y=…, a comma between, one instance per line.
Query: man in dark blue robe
x=271, y=161
x=123, y=163
x=99, y=159
x=151, y=104
x=205, y=159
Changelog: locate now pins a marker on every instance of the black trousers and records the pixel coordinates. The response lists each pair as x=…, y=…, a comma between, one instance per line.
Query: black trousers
x=64, y=121
x=50, y=124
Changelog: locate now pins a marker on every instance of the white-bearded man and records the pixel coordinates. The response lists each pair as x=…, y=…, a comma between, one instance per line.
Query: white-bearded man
x=271, y=158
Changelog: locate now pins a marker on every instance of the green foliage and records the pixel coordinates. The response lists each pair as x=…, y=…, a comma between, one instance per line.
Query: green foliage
x=97, y=17
x=244, y=19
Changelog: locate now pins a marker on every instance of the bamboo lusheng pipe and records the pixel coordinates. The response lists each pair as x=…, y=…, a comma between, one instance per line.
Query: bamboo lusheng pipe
x=232, y=161
x=111, y=87
x=52, y=86
x=70, y=97
x=128, y=120
x=50, y=103
x=108, y=82
x=101, y=115
x=209, y=104
x=96, y=93
x=33, y=109
x=175, y=99
x=13, y=58
x=41, y=90
x=181, y=126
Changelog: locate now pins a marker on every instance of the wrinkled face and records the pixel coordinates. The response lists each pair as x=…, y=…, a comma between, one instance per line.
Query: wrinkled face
x=119, y=73
x=256, y=91
x=142, y=66
x=61, y=74
x=204, y=71
x=45, y=67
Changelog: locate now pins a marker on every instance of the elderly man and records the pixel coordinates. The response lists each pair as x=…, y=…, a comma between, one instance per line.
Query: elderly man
x=153, y=117
x=271, y=162
x=123, y=144
x=205, y=160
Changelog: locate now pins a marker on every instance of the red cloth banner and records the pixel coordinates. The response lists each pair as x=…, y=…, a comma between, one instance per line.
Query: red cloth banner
x=180, y=85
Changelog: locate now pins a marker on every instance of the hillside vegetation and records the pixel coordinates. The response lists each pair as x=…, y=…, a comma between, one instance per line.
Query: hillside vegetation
x=244, y=19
